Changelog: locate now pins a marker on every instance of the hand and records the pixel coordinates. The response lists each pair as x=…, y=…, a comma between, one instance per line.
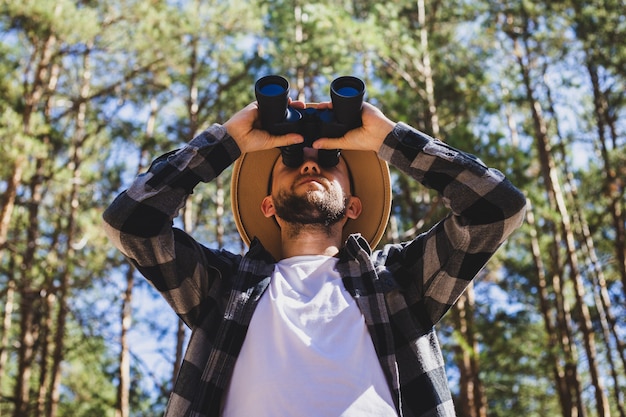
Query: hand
x=243, y=127
x=370, y=136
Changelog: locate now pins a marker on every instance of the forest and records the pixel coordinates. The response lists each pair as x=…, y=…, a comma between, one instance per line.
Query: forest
x=92, y=91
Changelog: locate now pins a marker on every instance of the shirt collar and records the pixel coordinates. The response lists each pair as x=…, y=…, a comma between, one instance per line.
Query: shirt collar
x=352, y=247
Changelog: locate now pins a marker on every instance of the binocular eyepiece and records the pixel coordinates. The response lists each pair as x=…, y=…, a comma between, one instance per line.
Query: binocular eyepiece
x=278, y=118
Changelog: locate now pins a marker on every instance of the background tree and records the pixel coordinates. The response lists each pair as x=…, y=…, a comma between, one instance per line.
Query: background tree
x=93, y=91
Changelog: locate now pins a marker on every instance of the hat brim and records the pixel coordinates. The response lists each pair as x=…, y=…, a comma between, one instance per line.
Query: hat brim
x=250, y=181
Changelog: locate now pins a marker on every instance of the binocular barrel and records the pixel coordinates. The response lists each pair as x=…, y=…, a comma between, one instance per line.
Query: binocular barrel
x=272, y=94
x=347, y=93
x=278, y=118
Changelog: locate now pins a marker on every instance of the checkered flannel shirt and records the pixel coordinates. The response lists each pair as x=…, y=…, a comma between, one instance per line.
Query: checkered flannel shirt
x=402, y=290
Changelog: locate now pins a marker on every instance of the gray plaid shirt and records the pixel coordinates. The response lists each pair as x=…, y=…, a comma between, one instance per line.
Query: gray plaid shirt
x=402, y=290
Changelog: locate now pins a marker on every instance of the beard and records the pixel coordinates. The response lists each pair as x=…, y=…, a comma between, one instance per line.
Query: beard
x=314, y=208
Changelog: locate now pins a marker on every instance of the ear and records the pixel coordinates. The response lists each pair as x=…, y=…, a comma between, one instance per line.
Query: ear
x=354, y=208
x=267, y=206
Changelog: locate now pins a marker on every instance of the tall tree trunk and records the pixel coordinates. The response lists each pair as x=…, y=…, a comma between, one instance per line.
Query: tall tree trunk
x=299, y=39
x=567, y=398
x=49, y=297
x=29, y=333
x=58, y=353
x=30, y=299
x=613, y=185
x=553, y=188
x=34, y=91
x=180, y=346
x=472, y=400
x=9, y=300
x=72, y=209
x=605, y=126
x=427, y=71
x=559, y=330
x=32, y=96
x=44, y=358
x=122, y=408
x=602, y=299
x=8, y=200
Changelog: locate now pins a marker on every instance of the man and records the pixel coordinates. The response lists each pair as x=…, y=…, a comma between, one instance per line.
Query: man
x=311, y=322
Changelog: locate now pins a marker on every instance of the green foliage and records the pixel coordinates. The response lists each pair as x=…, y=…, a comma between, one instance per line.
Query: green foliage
x=88, y=387
x=312, y=37
x=94, y=90
x=516, y=371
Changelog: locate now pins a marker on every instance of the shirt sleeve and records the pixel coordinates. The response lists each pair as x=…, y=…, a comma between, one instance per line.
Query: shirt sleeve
x=139, y=222
x=485, y=208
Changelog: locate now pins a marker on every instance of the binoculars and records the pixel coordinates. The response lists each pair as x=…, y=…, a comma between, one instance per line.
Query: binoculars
x=278, y=118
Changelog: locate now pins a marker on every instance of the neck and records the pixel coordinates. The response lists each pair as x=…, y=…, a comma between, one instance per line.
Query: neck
x=311, y=240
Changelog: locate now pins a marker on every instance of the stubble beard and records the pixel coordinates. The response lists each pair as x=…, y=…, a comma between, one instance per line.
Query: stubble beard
x=314, y=209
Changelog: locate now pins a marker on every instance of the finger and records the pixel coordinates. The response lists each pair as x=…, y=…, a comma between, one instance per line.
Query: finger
x=297, y=104
x=285, y=140
x=325, y=105
x=331, y=143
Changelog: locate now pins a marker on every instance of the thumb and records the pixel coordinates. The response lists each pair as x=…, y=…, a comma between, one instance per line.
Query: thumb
x=353, y=139
x=284, y=140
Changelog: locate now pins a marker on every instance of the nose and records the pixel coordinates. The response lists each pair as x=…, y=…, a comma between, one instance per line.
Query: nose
x=310, y=164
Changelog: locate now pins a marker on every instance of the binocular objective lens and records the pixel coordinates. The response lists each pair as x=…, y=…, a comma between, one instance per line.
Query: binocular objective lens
x=272, y=90
x=348, y=92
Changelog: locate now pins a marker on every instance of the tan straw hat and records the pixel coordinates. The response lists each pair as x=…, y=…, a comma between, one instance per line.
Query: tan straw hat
x=250, y=184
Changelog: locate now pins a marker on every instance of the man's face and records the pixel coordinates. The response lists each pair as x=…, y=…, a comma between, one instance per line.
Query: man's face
x=310, y=194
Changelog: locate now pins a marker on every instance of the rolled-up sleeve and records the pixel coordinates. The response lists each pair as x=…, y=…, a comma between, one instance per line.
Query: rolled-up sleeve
x=139, y=222
x=485, y=208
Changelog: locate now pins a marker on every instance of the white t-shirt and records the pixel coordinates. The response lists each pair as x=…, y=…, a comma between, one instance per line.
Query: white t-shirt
x=307, y=352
